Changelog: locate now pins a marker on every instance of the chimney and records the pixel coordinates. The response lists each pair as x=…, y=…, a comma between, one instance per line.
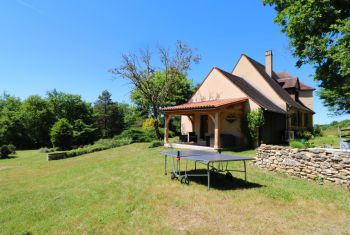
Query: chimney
x=268, y=63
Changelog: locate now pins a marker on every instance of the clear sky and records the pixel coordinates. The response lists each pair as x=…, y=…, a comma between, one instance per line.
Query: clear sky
x=71, y=45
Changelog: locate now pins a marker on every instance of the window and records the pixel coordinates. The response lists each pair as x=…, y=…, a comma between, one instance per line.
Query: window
x=293, y=119
x=300, y=120
x=306, y=120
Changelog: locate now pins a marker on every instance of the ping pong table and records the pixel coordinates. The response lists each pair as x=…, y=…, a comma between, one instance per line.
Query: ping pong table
x=214, y=162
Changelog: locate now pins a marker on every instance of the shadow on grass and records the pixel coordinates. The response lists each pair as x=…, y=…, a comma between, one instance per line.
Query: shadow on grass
x=220, y=181
x=8, y=157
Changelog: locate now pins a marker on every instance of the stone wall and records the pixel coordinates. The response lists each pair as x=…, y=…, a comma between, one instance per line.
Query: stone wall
x=314, y=164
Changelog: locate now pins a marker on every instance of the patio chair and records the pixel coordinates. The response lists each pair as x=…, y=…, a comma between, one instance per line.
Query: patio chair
x=192, y=137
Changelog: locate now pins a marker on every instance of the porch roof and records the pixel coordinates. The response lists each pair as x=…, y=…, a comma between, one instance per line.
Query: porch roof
x=205, y=105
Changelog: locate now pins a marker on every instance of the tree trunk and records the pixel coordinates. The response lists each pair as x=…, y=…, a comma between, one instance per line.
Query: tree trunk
x=156, y=123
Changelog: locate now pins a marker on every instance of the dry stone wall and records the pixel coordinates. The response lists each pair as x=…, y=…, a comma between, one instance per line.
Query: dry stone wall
x=314, y=164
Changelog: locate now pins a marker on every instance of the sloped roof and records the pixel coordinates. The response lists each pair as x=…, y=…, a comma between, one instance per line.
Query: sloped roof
x=275, y=86
x=205, y=105
x=286, y=80
x=252, y=93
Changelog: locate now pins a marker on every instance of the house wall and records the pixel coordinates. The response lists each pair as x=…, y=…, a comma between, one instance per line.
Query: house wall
x=215, y=86
x=306, y=98
x=246, y=70
x=226, y=127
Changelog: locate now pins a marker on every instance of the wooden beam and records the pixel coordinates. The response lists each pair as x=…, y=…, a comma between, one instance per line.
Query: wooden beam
x=166, y=128
x=217, y=131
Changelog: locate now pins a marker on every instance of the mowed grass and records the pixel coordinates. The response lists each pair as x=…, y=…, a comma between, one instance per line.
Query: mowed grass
x=124, y=191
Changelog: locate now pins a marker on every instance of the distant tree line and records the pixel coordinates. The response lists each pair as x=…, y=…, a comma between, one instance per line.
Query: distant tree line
x=35, y=121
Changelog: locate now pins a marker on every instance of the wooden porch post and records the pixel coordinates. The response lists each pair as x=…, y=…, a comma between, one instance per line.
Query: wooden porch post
x=217, y=131
x=166, y=129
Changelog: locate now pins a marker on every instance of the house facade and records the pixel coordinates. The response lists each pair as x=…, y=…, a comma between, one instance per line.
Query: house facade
x=215, y=113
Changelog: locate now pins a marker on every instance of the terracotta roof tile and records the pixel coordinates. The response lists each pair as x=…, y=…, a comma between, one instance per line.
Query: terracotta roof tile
x=208, y=104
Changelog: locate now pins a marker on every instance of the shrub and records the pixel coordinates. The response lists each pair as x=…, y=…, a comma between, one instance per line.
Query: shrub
x=309, y=144
x=44, y=150
x=255, y=119
x=84, y=134
x=62, y=134
x=147, y=123
x=317, y=131
x=304, y=135
x=296, y=144
x=156, y=143
x=99, y=145
x=12, y=148
x=142, y=135
x=5, y=151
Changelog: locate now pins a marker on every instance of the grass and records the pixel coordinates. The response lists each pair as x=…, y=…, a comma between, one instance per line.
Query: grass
x=124, y=191
x=330, y=138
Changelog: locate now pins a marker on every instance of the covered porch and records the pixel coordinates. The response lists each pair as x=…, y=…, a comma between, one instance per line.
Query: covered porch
x=208, y=125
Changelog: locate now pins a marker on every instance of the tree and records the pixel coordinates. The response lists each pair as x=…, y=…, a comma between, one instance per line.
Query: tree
x=11, y=124
x=109, y=116
x=155, y=86
x=84, y=133
x=62, y=134
x=37, y=120
x=319, y=33
x=255, y=119
x=70, y=107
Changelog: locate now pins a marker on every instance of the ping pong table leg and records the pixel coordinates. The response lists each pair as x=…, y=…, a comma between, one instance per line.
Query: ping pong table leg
x=245, y=172
x=165, y=165
x=208, y=172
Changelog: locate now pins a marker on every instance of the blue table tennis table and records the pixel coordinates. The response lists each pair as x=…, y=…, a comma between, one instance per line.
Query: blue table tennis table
x=214, y=162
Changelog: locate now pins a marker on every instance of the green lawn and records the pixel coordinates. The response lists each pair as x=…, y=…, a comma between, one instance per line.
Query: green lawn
x=124, y=191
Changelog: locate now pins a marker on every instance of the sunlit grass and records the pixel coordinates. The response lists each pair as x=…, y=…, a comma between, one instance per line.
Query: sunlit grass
x=124, y=190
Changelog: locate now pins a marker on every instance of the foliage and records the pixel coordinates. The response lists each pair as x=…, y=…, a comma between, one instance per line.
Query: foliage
x=132, y=116
x=143, y=135
x=11, y=123
x=12, y=148
x=304, y=135
x=37, y=119
x=99, y=145
x=70, y=107
x=109, y=117
x=319, y=33
x=147, y=123
x=6, y=150
x=156, y=143
x=62, y=134
x=83, y=133
x=317, y=131
x=155, y=86
x=296, y=144
x=255, y=119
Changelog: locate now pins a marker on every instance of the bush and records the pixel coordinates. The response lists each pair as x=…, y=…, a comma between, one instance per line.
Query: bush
x=6, y=150
x=296, y=144
x=304, y=135
x=147, y=123
x=99, y=145
x=44, y=150
x=156, y=143
x=317, y=131
x=12, y=148
x=62, y=134
x=84, y=134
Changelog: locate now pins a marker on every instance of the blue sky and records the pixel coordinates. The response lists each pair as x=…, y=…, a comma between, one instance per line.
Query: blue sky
x=71, y=45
